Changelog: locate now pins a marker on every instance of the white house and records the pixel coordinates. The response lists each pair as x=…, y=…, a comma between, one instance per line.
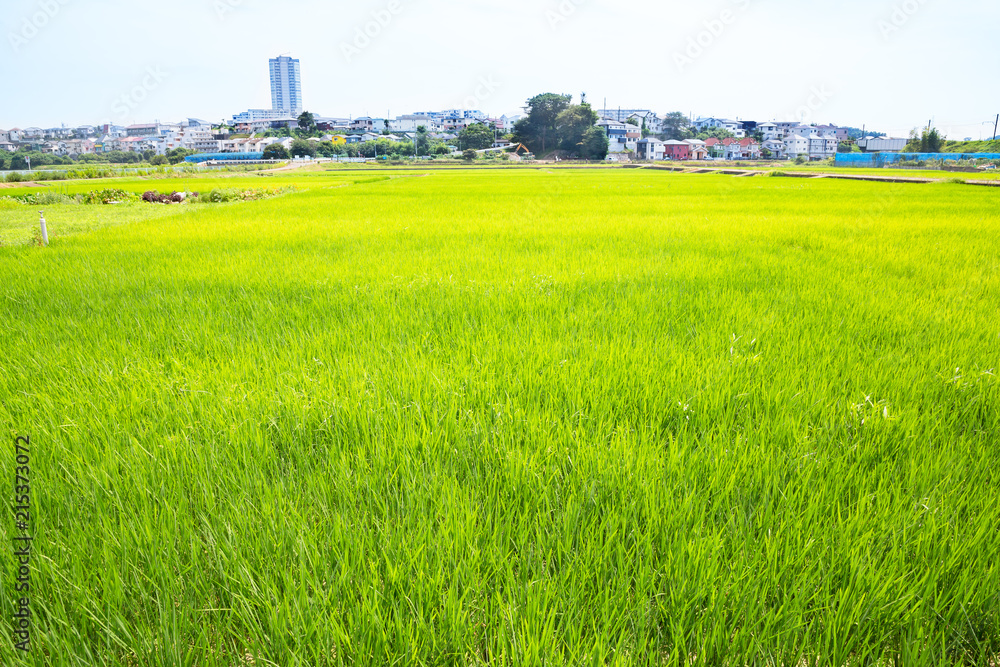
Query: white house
x=507, y=122
x=7, y=146
x=410, y=123
x=198, y=138
x=769, y=130
x=650, y=149
x=796, y=145
x=654, y=124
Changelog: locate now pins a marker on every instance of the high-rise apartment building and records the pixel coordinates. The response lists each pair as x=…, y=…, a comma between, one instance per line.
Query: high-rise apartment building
x=286, y=85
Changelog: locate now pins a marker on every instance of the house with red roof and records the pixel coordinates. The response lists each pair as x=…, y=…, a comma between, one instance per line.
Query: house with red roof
x=742, y=149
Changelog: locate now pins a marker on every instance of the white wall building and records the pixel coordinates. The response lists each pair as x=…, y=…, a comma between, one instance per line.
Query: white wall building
x=410, y=123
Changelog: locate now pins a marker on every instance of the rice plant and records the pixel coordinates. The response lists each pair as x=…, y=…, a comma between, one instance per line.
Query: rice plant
x=524, y=417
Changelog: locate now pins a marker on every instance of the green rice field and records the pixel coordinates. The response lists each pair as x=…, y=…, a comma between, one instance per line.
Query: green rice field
x=507, y=417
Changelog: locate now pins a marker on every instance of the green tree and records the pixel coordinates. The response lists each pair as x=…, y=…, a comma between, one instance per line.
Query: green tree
x=594, y=145
x=303, y=147
x=931, y=141
x=469, y=154
x=307, y=122
x=538, y=129
x=422, y=140
x=572, y=124
x=275, y=152
x=177, y=155
x=159, y=160
x=676, y=127
x=476, y=136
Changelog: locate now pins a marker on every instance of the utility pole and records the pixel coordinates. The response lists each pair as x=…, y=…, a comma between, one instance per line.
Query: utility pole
x=995, y=124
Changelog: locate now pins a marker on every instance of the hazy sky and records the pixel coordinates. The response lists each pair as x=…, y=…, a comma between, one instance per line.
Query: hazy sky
x=889, y=64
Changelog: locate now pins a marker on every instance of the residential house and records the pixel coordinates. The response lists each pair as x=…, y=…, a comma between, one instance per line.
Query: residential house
x=457, y=123
x=676, y=150
x=698, y=149
x=838, y=133
x=734, y=126
x=650, y=149
x=74, y=147
x=15, y=134
x=4, y=135
x=192, y=137
x=332, y=124
x=715, y=147
x=7, y=146
x=254, y=126
x=774, y=148
x=411, y=122
x=143, y=130
x=618, y=135
x=822, y=147
x=367, y=124
x=742, y=149
x=770, y=131
x=653, y=123
x=507, y=122
x=795, y=146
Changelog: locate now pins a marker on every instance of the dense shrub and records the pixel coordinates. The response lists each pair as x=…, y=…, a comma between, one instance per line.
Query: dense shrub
x=109, y=196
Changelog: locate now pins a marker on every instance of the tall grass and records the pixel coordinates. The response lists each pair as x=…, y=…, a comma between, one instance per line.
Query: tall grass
x=516, y=418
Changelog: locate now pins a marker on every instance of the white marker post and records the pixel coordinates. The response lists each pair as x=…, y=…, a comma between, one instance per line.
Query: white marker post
x=45, y=231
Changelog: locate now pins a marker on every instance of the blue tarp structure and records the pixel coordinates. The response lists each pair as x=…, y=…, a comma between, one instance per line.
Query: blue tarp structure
x=223, y=157
x=882, y=159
